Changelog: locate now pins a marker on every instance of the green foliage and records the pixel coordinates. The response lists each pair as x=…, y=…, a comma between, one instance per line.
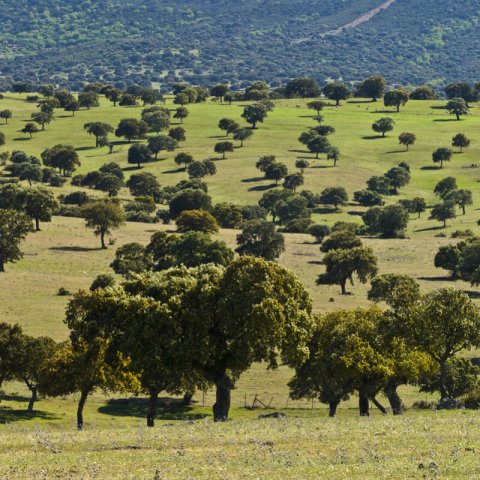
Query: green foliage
x=334, y=196
x=196, y=221
x=396, y=98
x=14, y=227
x=441, y=155
x=443, y=212
x=383, y=125
x=457, y=107
x=260, y=239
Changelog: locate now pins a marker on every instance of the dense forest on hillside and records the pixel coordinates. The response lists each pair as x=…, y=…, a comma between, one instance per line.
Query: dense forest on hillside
x=144, y=41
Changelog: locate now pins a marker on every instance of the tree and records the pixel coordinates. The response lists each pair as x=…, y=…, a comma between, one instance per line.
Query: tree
x=271, y=199
x=6, y=114
x=177, y=134
x=138, y=154
x=372, y=87
x=228, y=125
x=14, y=227
x=394, y=290
x=113, y=94
x=48, y=105
x=144, y=184
x=30, y=128
x=42, y=118
x=302, y=88
x=460, y=141
x=407, y=139
x=341, y=265
x=260, y=239
x=189, y=199
x=292, y=208
x=64, y=98
x=40, y=205
x=196, y=221
x=302, y=164
x=399, y=177
x=318, y=144
x=223, y=148
x=444, y=187
x=128, y=100
x=264, y=162
x=461, y=90
x=334, y=196
x=254, y=114
x=383, y=125
x=150, y=96
x=423, y=92
x=319, y=232
x=201, y=169
x=441, y=155
x=72, y=106
x=337, y=91
x=443, y=212
x=181, y=113
x=461, y=197
x=33, y=358
x=396, y=98
x=30, y=172
x=367, y=198
x=448, y=257
x=2, y=139
x=98, y=130
x=333, y=153
x=156, y=120
x=63, y=157
x=88, y=99
x=390, y=221
x=184, y=158
x=161, y=143
x=316, y=105
x=131, y=128
x=276, y=171
x=228, y=215
x=344, y=239
x=457, y=107
x=419, y=205
x=103, y=216
x=110, y=183
x=441, y=324
x=104, y=280
x=293, y=181
x=219, y=91
x=242, y=134
x=130, y=259
x=11, y=341
x=47, y=90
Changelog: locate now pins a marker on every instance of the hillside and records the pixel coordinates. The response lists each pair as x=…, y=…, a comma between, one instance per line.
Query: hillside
x=143, y=41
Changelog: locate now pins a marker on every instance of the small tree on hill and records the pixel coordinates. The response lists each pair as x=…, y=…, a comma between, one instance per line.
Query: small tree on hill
x=318, y=144
x=460, y=141
x=441, y=155
x=181, y=113
x=88, y=99
x=383, y=125
x=399, y=177
x=177, y=134
x=293, y=181
x=184, y=158
x=373, y=87
x=161, y=143
x=260, y=239
x=407, y=139
x=457, y=107
x=6, y=114
x=334, y=196
x=228, y=125
x=254, y=114
x=461, y=197
x=242, y=134
x=316, y=105
x=302, y=164
x=131, y=128
x=341, y=265
x=40, y=205
x=337, y=91
x=138, y=154
x=443, y=212
x=396, y=98
x=223, y=148
x=30, y=128
x=14, y=227
x=98, y=130
x=196, y=221
x=444, y=187
x=276, y=171
x=103, y=216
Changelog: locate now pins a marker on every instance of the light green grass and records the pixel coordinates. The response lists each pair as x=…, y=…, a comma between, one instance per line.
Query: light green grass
x=65, y=254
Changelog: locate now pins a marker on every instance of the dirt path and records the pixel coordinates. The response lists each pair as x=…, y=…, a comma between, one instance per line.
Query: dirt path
x=354, y=23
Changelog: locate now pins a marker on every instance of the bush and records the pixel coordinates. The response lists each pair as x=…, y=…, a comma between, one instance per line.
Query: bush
x=319, y=232
x=462, y=233
x=76, y=198
x=196, y=221
x=63, y=292
x=57, y=180
x=73, y=211
x=103, y=280
x=471, y=400
x=140, y=217
x=298, y=225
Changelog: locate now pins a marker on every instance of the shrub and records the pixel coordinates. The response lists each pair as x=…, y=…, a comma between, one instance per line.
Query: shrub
x=103, y=280
x=196, y=221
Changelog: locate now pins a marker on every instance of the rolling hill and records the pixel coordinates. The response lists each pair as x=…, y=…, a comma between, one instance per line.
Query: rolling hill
x=144, y=41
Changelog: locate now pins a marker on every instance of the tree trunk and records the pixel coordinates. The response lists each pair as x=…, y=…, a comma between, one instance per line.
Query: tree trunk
x=379, y=406
x=221, y=406
x=81, y=404
x=443, y=373
x=111, y=149
x=363, y=403
x=223, y=156
x=187, y=399
x=390, y=390
x=102, y=239
x=37, y=225
x=343, y=284
x=463, y=209
x=2, y=261
x=332, y=410
x=152, y=409
x=33, y=399
x=43, y=127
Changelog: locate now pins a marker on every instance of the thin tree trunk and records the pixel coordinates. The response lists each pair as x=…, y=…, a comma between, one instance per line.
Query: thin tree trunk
x=332, y=410
x=343, y=284
x=37, y=224
x=102, y=239
x=363, y=403
x=443, y=373
x=2, y=266
x=379, y=406
x=152, y=409
x=221, y=406
x=390, y=390
x=187, y=399
x=33, y=399
x=81, y=404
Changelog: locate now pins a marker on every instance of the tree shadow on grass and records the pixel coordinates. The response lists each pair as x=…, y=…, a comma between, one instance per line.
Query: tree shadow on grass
x=22, y=139
x=472, y=294
x=176, y=170
x=9, y=414
x=372, y=137
x=74, y=249
x=430, y=167
x=299, y=151
x=262, y=188
x=253, y=179
x=82, y=149
x=430, y=229
x=168, y=409
x=436, y=279
x=385, y=111
x=355, y=213
x=361, y=101
x=324, y=210
x=129, y=169
x=447, y=120
x=219, y=136
x=397, y=151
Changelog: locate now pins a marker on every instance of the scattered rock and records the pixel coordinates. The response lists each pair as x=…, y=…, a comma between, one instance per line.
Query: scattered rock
x=273, y=415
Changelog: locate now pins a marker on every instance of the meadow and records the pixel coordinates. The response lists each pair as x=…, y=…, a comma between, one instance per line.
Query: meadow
x=306, y=444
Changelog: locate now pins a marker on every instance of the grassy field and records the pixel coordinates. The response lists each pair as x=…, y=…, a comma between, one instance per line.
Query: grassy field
x=65, y=254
